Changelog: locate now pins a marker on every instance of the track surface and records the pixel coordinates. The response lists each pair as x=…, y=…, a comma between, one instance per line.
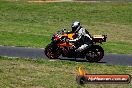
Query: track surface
x=116, y=59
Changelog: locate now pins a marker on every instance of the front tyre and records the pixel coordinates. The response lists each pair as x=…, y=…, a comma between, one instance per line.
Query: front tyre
x=52, y=52
x=95, y=53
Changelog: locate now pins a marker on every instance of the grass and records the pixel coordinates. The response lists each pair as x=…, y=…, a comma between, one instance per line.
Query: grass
x=22, y=39
x=32, y=24
x=31, y=73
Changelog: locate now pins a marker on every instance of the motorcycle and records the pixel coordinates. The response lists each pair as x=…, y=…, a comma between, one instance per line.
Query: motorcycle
x=60, y=46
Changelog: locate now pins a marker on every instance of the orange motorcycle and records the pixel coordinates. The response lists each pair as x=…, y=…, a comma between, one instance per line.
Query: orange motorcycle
x=59, y=46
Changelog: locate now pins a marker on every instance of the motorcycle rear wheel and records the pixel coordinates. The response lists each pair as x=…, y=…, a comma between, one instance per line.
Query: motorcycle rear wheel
x=95, y=53
x=52, y=53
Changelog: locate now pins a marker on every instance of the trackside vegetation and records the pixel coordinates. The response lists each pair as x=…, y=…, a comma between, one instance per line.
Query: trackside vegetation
x=40, y=73
x=29, y=24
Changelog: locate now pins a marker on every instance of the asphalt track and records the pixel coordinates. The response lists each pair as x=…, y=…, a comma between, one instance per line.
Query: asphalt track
x=116, y=59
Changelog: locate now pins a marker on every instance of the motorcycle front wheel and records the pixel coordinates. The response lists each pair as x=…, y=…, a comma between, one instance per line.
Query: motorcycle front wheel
x=95, y=53
x=52, y=52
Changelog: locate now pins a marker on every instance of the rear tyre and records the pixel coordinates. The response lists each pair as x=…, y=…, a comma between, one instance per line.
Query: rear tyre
x=52, y=52
x=95, y=53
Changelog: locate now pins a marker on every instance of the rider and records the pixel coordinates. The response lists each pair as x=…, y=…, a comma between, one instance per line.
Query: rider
x=82, y=36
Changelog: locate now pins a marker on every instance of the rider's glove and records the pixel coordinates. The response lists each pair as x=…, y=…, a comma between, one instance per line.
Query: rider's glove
x=67, y=40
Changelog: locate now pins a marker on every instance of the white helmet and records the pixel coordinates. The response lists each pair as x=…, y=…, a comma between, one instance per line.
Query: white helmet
x=75, y=26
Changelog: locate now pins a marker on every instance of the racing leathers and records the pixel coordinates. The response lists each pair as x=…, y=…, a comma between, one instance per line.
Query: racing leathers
x=83, y=39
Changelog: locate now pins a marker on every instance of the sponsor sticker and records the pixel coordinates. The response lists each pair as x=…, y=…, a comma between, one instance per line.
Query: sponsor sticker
x=83, y=78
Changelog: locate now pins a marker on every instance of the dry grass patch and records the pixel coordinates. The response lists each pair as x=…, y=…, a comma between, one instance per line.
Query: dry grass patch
x=30, y=73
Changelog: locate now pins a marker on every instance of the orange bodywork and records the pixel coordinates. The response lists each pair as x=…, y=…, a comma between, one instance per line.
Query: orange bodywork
x=70, y=36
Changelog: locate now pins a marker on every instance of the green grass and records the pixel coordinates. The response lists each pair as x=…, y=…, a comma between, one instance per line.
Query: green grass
x=31, y=73
x=32, y=24
x=117, y=47
x=22, y=39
